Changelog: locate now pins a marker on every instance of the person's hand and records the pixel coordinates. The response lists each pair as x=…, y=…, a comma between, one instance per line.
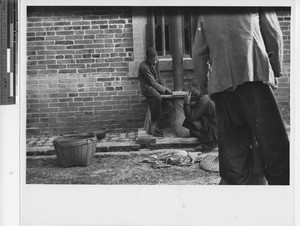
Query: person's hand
x=168, y=91
x=273, y=85
x=276, y=82
x=187, y=98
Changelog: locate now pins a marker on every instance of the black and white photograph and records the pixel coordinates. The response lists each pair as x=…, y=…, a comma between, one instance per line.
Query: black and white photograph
x=158, y=95
x=149, y=114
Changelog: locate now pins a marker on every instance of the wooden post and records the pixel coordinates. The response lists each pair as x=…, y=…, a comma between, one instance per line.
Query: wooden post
x=153, y=28
x=176, y=35
x=163, y=33
x=177, y=45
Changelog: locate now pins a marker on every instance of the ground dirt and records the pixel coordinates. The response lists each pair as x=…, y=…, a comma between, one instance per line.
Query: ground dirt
x=116, y=169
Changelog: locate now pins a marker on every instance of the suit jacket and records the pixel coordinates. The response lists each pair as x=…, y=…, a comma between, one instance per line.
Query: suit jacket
x=150, y=80
x=237, y=42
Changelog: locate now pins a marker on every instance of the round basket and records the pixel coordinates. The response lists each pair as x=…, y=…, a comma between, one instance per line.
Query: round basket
x=75, y=150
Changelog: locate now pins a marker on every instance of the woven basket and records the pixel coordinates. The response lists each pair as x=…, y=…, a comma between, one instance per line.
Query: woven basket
x=75, y=150
x=210, y=163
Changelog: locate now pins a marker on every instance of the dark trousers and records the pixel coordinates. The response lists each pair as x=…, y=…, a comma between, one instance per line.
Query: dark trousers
x=206, y=132
x=245, y=116
x=154, y=100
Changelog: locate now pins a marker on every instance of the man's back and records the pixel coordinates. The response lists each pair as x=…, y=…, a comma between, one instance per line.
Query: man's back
x=232, y=40
x=149, y=79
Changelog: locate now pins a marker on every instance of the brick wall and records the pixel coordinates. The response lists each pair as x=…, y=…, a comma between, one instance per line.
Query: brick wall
x=77, y=70
x=77, y=75
x=282, y=94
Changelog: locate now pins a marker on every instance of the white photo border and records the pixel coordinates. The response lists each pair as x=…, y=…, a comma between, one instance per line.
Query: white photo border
x=152, y=205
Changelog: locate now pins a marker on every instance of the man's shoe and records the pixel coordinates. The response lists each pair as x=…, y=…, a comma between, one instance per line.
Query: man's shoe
x=159, y=131
x=152, y=131
x=155, y=134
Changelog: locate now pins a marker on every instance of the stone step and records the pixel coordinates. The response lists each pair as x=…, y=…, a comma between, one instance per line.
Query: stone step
x=125, y=146
x=117, y=146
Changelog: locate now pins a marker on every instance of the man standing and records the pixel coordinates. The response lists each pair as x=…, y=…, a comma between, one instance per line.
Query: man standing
x=152, y=86
x=200, y=114
x=245, y=48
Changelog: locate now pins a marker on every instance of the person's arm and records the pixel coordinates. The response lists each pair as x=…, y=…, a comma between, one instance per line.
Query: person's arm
x=162, y=81
x=200, y=57
x=272, y=35
x=186, y=106
x=198, y=110
x=151, y=80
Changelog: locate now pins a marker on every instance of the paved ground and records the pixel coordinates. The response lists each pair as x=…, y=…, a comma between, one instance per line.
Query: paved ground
x=115, y=142
x=118, y=155
x=118, y=160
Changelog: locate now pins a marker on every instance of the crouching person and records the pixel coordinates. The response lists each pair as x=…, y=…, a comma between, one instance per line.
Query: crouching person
x=200, y=116
x=152, y=86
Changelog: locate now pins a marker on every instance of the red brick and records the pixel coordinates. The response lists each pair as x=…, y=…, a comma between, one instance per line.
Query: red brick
x=74, y=37
x=100, y=65
x=46, y=72
x=86, y=41
x=32, y=72
x=67, y=71
x=47, y=62
x=76, y=47
x=38, y=106
x=56, y=66
x=84, y=61
x=76, y=66
x=122, y=69
x=102, y=113
x=103, y=98
x=111, y=103
x=103, y=50
x=109, y=88
x=32, y=29
x=48, y=110
x=86, y=70
x=46, y=52
x=58, y=105
x=106, y=69
x=39, y=115
x=67, y=109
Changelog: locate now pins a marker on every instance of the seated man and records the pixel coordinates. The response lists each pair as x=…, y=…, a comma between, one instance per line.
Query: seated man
x=200, y=116
x=152, y=87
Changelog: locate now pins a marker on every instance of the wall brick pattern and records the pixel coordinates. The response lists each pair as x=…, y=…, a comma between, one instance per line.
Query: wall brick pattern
x=77, y=70
x=282, y=94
